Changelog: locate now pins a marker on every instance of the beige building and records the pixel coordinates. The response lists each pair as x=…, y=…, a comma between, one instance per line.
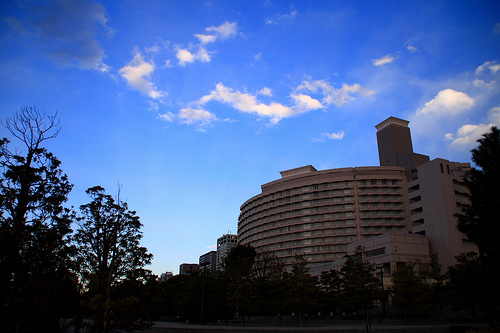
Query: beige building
x=436, y=191
x=387, y=252
x=435, y=197
x=325, y=214
x=319, y=213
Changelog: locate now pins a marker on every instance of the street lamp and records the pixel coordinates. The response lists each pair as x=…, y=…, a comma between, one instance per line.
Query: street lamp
x=203, y=265
x=381, y=267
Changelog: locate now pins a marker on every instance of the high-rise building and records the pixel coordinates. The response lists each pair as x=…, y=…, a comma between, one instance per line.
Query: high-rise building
x=208, y=260
x=395, y=147
x=186, y=269
x=436, y=191
x=224, y=245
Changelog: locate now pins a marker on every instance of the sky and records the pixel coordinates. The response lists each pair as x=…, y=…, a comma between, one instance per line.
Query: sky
x=192, y=105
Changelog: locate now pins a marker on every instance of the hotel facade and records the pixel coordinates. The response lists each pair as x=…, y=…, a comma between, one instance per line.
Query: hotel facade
x=323, y=214
x=318, y=213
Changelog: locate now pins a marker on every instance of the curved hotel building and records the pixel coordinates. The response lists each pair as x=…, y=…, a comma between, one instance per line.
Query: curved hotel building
x=318, y=213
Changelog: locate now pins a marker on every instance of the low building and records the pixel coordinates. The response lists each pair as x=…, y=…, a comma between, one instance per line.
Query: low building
x=387, y=252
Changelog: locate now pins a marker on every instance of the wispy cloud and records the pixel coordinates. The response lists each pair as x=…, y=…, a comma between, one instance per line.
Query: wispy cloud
x=190, y=116
x=329, y=136
x=332, y=95
x=138, y=75
x=449, y=102
x=384, y=60
x=66, y=31
x=283, y=18
x=224, y=31
x=492, y=66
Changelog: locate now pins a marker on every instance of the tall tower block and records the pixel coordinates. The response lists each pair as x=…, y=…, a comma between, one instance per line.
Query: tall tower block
x=395, y=147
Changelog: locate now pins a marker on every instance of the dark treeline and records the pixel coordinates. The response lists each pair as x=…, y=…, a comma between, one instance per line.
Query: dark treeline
x=88, y=266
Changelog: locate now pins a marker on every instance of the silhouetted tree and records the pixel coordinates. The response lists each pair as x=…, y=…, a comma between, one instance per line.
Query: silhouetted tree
x=436, y=283
x=467, y=283
x=108, y=243
x=408, y=291
x=269, y=279
x=238, y=269
x=136, y=300
x=302, y=291
x=330, y=284
x=360, y=287
x=35, y=281
x=480, y=221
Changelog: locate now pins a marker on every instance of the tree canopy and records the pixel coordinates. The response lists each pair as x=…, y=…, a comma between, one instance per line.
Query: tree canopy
x=108, y=247
x=480, y=221
x=34, y=226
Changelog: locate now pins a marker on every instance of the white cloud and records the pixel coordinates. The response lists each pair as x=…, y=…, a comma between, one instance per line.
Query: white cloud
x=246, y=102
x=265, y=91
x=138, y=75
x=384, y=60
x=331, y=95
x=185, y=56
x=305, y=103
x=258, y=56
x=468, y=134
x=329, y=136
x=447, y=101
x=411, y=48
x=491, y=65
x=225, y=30
x=205, y=39
x=483, y=84
x=168, y=116
x=66, y=31
x=190, y=115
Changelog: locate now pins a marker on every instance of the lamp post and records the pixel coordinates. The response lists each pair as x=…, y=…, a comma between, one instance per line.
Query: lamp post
x=381, y=267
x=203, y=266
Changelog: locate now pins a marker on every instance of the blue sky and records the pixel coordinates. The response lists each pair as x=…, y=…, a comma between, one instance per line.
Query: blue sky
x=193, y=105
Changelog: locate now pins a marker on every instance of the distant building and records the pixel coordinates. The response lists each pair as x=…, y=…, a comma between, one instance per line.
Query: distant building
x=186, y=269
x=208, y=260
x=224, y=246
x=166, y=276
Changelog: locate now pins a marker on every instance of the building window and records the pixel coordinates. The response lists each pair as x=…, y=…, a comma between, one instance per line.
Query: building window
x=374, y=182
x=363, y=182
x=394, y=182
x=384, y=182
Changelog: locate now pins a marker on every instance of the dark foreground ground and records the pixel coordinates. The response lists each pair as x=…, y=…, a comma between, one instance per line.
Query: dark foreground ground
x=176, y=327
